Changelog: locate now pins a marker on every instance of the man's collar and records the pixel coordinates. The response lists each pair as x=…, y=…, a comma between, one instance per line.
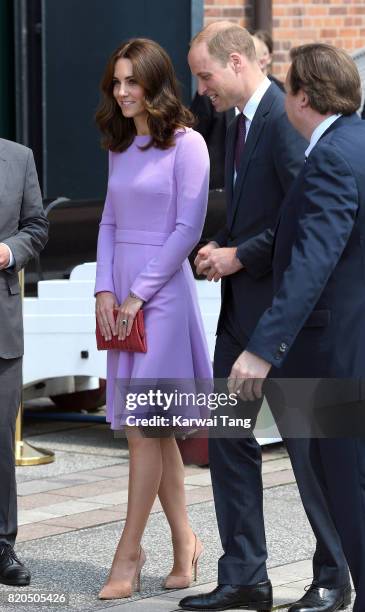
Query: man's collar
x=320, y=130
x=253, y=103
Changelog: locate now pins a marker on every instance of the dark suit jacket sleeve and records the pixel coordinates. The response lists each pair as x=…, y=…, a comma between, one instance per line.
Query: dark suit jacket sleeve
x=330, y=207
x=255, y=254
x=288, y=157
x=33, y=225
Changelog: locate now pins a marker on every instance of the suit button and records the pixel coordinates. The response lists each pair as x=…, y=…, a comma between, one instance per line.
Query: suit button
x=283, y=347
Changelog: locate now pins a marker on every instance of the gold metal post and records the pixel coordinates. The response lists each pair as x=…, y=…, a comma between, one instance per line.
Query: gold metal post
x=25, y=454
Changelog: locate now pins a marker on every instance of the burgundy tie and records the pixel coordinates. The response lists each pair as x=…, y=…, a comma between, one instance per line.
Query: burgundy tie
x=240, y=140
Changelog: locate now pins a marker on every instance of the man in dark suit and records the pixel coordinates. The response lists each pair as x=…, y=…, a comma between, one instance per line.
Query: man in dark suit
x=315, y=326
x=264, y=155
x=23, y=233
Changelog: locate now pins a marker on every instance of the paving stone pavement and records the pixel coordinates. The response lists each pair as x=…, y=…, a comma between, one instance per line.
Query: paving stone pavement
x=71, y=514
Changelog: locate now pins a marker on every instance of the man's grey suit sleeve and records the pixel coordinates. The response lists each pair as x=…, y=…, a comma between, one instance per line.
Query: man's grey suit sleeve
x=33, y=225
x=288, y=148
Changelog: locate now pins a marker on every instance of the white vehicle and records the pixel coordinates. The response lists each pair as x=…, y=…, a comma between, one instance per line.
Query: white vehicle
x=60, y=350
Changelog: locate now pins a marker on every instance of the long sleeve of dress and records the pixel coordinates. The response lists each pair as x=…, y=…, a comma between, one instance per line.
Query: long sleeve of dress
x=105, y=249
x=192, y=183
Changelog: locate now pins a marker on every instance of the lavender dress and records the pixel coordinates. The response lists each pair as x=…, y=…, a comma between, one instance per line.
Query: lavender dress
x=153, y=217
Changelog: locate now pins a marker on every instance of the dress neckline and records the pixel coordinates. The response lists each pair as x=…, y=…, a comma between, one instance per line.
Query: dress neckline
x=177, y=131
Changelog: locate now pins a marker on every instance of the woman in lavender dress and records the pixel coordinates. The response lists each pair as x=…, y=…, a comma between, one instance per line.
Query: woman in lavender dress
x=153, y=217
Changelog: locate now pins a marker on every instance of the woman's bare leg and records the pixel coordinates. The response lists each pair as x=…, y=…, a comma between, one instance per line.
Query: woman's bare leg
x=172, y=497
x=145, y=471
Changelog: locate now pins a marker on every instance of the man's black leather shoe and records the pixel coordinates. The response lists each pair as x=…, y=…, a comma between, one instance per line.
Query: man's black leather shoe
x=12, y=571
x=228, y=596
x=318, y=599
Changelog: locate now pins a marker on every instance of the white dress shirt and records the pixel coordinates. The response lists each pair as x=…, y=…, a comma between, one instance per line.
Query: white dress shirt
x=319, y=131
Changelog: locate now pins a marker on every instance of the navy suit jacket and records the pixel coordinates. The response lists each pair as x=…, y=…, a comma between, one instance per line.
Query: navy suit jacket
x=315, y=326
x=272, y=158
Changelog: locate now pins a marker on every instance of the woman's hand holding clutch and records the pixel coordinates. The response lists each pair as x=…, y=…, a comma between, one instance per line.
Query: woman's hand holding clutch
x=104, y=310
x=126, y=315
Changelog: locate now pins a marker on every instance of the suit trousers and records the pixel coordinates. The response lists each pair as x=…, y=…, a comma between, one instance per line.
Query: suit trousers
x=238, y=495
x=10, y=395
x=343, y=465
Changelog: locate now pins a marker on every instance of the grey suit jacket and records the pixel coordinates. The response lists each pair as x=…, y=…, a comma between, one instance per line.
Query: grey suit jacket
x=24, y=228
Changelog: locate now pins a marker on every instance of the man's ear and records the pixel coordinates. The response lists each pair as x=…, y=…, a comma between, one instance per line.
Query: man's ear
x=236, y=62
x=303, y=99
x=261, y=63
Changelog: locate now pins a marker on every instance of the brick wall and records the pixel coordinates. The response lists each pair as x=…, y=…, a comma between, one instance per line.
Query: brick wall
x=338, y=22
x=239, y=11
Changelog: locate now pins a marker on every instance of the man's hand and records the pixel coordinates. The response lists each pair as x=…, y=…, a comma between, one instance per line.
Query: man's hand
x=105, y=304
x=201, y=260
x=4, y=256
x=247, y=376
x=222, y=262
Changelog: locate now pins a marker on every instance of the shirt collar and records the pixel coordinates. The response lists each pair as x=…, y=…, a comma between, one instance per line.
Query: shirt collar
x=319, y=131
x=253, y=103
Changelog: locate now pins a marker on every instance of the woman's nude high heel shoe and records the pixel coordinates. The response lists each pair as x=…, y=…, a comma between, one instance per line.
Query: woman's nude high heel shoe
x=174, y=581
x=125, y=588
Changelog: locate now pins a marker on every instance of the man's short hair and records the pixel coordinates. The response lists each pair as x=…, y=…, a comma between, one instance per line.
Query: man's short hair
x=223, y=38
x=328, y=76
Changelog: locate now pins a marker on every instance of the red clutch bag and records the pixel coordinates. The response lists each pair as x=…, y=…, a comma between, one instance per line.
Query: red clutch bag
x=134, y=343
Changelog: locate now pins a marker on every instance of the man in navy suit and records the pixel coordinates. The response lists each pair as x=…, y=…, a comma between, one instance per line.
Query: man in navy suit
x=315, y=326
x=264, y=155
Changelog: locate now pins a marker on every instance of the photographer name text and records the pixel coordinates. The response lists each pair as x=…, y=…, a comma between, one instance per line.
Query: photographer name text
x=180, y=421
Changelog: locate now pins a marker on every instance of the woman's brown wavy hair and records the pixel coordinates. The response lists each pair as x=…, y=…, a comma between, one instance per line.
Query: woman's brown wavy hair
x=153, y=70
